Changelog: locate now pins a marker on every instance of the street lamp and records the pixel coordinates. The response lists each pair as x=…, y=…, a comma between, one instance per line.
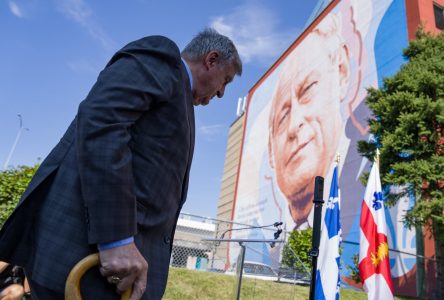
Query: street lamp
x=19, y=133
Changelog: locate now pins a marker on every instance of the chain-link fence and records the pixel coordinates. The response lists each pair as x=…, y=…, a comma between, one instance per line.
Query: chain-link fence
x=278, y=262
x=194, y=248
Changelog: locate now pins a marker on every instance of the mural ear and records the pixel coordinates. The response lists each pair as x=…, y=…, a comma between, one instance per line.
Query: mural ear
x=270, y=151
x=344, y=71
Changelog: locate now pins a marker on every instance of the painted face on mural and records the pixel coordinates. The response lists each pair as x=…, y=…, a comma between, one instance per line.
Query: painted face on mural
x=305, y=119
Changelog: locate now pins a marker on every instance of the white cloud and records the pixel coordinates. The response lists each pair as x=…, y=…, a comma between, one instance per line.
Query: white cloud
x=211, y=131
x=15, y=9
x=79, y=12
x=254, y=29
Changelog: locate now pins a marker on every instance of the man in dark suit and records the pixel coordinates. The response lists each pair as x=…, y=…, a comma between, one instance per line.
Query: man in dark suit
x=118, y=178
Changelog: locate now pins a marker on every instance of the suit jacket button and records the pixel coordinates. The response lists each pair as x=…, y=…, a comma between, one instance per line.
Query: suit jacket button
x=167, y=240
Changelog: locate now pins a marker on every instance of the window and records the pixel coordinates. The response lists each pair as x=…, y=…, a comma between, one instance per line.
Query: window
x=439, y=16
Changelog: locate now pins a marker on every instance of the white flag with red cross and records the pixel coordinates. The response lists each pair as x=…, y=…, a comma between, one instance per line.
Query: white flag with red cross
x=374, y=264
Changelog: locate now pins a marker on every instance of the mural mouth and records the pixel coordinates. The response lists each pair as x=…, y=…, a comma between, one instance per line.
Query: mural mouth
x=294, y=155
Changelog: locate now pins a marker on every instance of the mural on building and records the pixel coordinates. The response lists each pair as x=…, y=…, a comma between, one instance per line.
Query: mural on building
x=308, y=108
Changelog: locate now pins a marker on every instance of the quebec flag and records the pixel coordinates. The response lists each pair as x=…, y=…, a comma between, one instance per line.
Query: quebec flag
x=327, y=274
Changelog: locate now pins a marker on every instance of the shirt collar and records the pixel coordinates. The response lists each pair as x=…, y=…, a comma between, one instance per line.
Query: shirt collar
x=188, y=71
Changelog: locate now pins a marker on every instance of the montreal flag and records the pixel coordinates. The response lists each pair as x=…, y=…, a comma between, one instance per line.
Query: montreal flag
x=374, y=266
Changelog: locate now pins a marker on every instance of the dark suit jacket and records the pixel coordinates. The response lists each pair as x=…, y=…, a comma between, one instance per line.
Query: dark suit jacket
x=121, y=169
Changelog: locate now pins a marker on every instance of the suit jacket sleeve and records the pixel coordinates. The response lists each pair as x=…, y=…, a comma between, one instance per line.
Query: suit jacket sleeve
x=137, y=79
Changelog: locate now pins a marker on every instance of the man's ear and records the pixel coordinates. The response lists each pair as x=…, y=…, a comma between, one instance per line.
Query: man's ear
x=211, y=59
x=270, y=150
x=344, y=71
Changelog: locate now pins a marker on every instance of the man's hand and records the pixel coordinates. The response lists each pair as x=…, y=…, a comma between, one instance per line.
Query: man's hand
x=126, y=263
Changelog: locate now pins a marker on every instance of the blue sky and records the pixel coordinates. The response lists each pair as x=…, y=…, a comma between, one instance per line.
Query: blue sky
x=53, y=50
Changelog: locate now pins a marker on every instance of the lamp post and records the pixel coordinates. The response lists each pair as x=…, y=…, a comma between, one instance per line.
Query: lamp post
x=19, y=133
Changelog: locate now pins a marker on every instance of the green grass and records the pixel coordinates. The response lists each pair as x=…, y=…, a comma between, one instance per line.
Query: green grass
x=186, y=284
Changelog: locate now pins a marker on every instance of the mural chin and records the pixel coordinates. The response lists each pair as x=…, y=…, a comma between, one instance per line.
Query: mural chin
x=300, y=210
x=295, y=187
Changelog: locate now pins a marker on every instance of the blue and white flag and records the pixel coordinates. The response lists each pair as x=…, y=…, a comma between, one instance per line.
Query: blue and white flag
x=327, y=273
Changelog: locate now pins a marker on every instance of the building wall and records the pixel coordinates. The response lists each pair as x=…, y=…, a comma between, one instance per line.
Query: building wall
x=188, y=247
x=228, y=187
x=421, y=11
x=193, y=230
x=232, y=157
x=416, y=12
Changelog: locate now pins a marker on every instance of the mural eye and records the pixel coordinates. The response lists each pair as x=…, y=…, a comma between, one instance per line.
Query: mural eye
x=303, y=98
x=283, y=117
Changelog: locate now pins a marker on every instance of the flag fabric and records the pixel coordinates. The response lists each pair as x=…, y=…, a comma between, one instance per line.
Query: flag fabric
x=374, y=265
x=327, y=273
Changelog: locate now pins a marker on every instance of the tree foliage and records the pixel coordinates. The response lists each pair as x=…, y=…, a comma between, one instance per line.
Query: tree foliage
x=354, y=268
x=407, y=126
x=13, y=183
x=299, y=243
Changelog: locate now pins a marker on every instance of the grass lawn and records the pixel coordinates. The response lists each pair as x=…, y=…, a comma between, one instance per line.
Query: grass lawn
x=186, y=284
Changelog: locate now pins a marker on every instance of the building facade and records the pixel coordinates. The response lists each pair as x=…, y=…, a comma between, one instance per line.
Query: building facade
x=364, y=42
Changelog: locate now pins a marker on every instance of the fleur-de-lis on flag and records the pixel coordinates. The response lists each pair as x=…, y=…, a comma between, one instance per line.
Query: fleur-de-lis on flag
x=377, y=200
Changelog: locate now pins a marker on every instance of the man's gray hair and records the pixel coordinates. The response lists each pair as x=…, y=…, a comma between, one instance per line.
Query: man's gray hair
x=210, y=40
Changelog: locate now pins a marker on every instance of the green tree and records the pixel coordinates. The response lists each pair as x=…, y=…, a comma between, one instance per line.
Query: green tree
x=354, y=268
x=13, y=183
x=299, y=244
x=407, y=125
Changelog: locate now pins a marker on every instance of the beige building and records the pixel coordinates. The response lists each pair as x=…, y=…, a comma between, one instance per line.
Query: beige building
x=188, y=249
x=231, y=165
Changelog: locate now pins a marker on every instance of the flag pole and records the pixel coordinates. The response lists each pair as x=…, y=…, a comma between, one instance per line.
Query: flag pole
x=377, y=157
x=337, y=160
x=325, y=272
x=374, y=249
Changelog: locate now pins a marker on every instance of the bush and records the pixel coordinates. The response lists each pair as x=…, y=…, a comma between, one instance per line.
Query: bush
x=13, y=183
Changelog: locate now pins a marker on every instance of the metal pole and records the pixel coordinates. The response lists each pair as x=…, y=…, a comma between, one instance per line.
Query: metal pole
x=19, y=133
x=241, y=269
x=214, y=247
x=314, y=252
